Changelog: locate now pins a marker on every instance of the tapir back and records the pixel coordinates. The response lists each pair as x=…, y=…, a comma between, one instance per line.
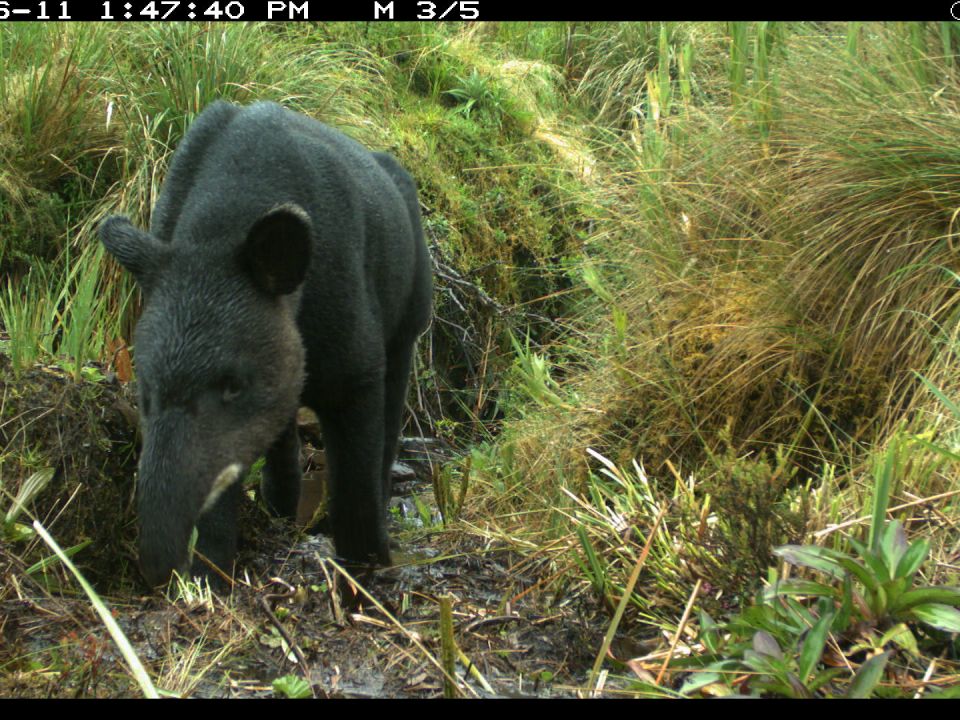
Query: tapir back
x=236, y=163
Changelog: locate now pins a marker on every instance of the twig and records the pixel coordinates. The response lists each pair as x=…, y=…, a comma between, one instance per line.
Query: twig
x=676, y=636
x=211, y=566
x=926, y=678
x=331, y=591
x=627, y=592
x=867, y=518
x=301, y=660
x=409, y=635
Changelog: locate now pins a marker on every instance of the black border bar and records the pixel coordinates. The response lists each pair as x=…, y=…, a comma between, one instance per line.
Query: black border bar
x=465, y=10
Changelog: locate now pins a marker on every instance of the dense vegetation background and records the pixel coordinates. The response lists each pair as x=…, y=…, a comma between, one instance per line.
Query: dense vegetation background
x=696, y=306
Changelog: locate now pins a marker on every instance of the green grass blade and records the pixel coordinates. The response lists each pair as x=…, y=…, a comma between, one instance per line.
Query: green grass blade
x=913, y=558
x=42, y=565
x=126, y=649
x=881, y=495
x=921, y=596
x=813, y=645
x=947, y=402
x=943, y=617
x=868, y=676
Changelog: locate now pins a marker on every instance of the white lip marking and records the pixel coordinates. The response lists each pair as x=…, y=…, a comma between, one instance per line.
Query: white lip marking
x=227, y=477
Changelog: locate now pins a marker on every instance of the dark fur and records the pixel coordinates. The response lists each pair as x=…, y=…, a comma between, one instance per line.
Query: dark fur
x=285, y=266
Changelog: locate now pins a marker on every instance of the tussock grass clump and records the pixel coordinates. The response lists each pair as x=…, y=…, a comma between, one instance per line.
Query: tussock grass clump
x=53, y=137
x=185, y=67
x=870, y=262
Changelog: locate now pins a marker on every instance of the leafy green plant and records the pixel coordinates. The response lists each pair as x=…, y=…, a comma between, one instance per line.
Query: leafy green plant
x=532, y=375
x=878, y=577
x=755, y=645
x=291, y=686
x=777, y=647
x=474, y=91
x=882, y=591
x=426, y=516
x=864, y=600
x=478, y=92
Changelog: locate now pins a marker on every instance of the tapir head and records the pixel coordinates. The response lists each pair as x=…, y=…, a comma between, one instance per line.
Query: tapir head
x=219, y=362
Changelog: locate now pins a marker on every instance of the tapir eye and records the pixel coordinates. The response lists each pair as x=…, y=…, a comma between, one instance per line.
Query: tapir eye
x=230, y=389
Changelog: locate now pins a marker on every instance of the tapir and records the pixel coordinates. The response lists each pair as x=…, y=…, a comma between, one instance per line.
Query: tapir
x=285, y=266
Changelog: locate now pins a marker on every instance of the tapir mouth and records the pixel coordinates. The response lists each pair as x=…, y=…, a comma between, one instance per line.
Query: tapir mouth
x=165, y=533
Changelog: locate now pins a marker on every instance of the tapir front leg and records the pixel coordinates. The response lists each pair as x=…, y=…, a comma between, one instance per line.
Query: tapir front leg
x=280, y=481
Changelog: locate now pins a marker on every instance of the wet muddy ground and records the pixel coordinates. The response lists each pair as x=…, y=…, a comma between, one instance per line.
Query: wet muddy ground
x=291, y=611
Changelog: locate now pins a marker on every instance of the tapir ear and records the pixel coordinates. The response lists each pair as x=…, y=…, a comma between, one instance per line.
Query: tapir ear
x=136, y=250
x=276, y=252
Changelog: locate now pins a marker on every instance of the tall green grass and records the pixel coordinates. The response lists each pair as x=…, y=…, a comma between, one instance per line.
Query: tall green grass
x=61, y=317
x=26, y=313
x=48, y=76
x=185, y=67
x=82, y=320
x=772, y=253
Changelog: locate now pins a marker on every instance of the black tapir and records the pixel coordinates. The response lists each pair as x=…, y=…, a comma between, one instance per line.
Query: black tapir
x=285, y=266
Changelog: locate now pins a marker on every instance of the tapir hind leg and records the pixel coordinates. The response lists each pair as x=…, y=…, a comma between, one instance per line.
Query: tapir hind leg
x=395, y=395
x=353, y=442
